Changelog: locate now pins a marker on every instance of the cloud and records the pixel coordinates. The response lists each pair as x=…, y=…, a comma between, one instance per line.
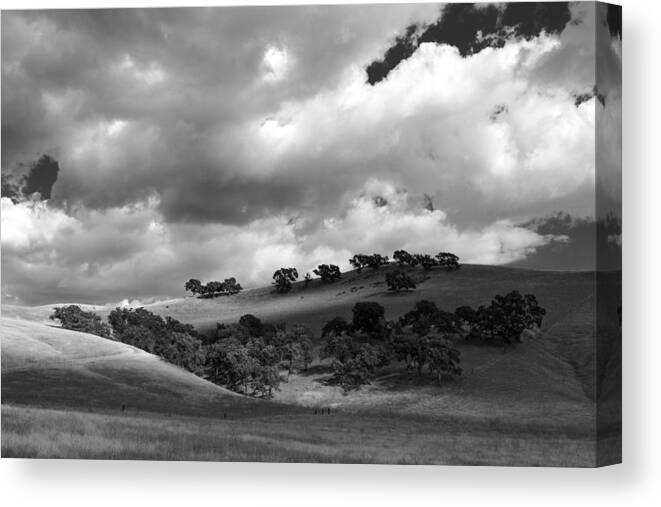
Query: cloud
x=39, y=178
x=473, y=27
x=129, y=253
x=576, y=243
x=180, y=81
x=224, y=142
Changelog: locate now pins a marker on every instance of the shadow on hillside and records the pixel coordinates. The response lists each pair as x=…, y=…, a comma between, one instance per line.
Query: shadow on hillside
x=317, y=369
x=402, y=381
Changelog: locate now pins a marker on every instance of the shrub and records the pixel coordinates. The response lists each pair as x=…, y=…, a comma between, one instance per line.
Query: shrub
x=74, y=318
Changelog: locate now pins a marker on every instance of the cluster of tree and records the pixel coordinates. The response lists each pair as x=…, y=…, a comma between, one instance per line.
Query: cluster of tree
x=174, y=341
x=504, y=320
x=212, y=289
x=422, y=338
x=445, y=260
x=249, y=356
x=75, y=318
x=283, y=279
x=328, y=272
x=374, y=261
x=369, y=342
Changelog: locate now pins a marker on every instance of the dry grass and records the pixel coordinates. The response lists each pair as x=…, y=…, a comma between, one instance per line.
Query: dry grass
x=46, y=433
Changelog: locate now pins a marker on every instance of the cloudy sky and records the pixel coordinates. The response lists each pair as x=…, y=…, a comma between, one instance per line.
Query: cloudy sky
x=167, y=144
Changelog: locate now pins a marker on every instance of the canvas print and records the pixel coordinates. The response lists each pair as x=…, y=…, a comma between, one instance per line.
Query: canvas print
x=317, y=233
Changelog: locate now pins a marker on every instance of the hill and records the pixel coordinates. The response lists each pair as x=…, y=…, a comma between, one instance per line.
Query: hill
x=545, y=388
x=51, y=367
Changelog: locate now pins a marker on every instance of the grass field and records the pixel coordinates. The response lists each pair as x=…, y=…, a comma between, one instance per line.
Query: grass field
x=44, y=433
x=534, y=404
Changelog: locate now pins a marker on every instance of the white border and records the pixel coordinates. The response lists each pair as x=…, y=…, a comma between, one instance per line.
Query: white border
x=636, y=482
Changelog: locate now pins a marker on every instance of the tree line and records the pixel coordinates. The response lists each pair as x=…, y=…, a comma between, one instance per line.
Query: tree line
x=251, y=357
x=423, y=338
x=247, y=357
x=284, y=278
x=228, y=287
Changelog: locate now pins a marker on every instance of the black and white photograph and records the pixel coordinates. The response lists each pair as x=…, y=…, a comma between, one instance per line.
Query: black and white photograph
x=351, y=234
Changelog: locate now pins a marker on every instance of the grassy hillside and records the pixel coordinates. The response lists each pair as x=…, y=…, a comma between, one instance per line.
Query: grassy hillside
x=557, y=291
x=510, y=406
x=51, y=367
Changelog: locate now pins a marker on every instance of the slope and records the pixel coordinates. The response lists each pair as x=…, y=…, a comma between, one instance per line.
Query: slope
x=48, y=366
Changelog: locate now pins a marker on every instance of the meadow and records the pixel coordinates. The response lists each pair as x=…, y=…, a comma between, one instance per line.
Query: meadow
x=335, y=438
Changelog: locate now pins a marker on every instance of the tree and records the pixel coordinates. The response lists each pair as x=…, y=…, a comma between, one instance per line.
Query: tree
x=338, y=346
x=505, y=318
x=398, y=280
x=283, y=279
x=426, y=261
x=375, y=261
x=193, y=286
x=74, y=318
x=231, y=286
x=402, y=257
x=307, y=279
x=335, y=326
x=422, y=308
x=174, y=341
x=228, y=287
x=328, y=272
x=252, y=325
x=357, y=370
x=513, y=313
x=368, y=317
x=358, y=261
x=448, y=261
x=232, y=365
x=443, y=358
x=466, y=315
x=213, y=289
x=296, y=346
x=431, y=349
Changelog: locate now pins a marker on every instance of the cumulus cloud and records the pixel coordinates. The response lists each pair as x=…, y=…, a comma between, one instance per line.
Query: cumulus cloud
x=99, y=256
x=228, y=142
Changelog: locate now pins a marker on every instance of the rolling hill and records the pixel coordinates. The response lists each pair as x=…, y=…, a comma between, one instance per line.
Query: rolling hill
x=547, y=385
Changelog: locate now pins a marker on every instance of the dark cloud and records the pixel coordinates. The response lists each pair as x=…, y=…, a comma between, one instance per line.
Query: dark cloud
x=39, y=178
x=473, y=27
x=583, y=243
x=222, y=142
x=185, y=82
